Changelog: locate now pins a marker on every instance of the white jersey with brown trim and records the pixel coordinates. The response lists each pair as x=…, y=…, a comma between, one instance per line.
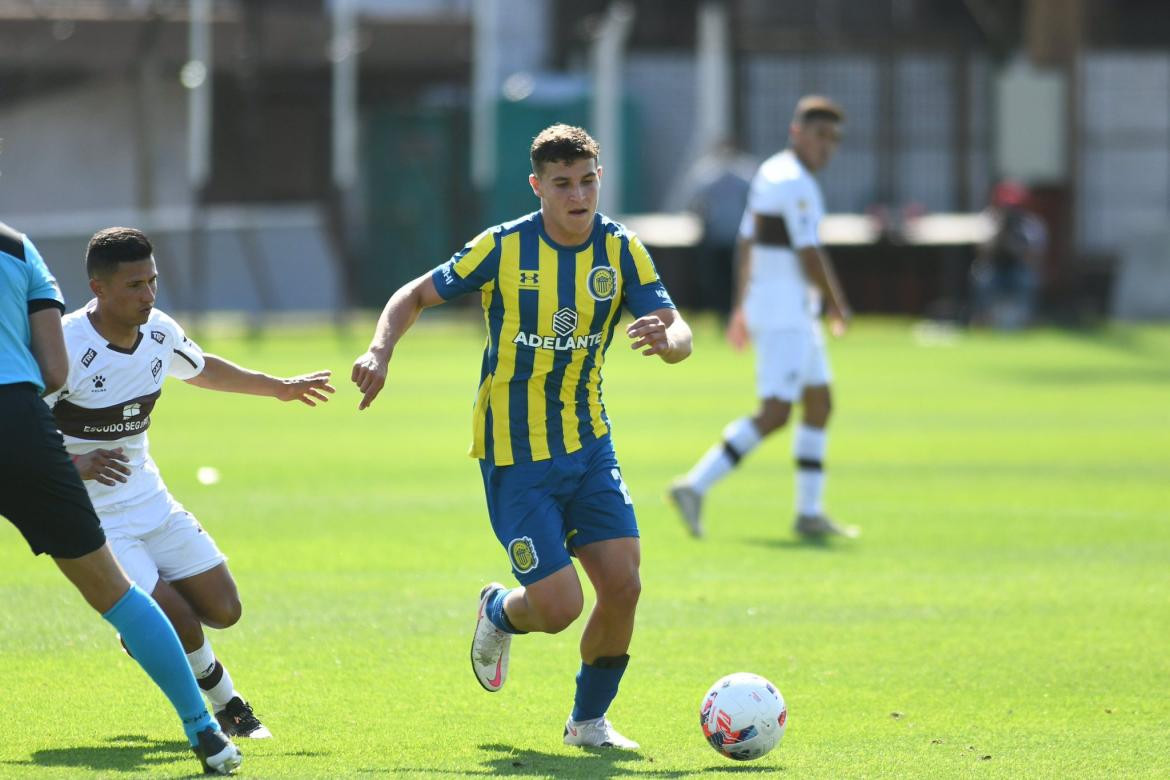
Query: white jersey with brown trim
x=778, y=296
x=111, y=391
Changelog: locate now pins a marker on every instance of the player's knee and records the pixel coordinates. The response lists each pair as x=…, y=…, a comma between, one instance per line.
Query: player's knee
x=623, y=594
x=224, y=614
x=817, y=409
x=773, y=415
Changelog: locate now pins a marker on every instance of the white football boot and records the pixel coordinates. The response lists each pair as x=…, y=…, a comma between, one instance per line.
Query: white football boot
x=489, y=647
x=598, y=732
x=816, y=526
x=689, y=503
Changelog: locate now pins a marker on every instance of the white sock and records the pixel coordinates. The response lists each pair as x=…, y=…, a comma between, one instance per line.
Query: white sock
x=739, y=438
x=212, y=676
x=808, y=447
x=202, y=661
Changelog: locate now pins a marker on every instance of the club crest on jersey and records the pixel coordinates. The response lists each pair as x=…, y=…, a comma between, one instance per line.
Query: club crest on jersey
x=155, y=367
x=158, y=336
x=523, y=555
x=602, y=283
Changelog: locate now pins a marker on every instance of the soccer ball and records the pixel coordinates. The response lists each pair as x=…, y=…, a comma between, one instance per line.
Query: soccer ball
x=743, y=716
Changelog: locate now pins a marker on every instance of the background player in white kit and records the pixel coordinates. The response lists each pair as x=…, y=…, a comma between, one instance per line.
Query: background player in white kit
x=120, y=350
x=783, y=276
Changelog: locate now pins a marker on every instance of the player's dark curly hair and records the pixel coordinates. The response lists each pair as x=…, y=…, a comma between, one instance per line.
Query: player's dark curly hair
x=562, y=143
x=115, y=245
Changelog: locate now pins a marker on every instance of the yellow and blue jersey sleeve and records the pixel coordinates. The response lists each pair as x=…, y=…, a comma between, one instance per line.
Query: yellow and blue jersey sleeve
x=473, y=267
x=644, y=291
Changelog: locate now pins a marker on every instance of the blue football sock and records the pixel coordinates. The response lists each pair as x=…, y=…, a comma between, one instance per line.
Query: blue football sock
x=153, y=643
x=495, y=612
x=597, y=685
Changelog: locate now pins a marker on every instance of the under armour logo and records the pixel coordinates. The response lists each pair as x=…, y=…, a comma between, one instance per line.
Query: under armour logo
x=529, y=278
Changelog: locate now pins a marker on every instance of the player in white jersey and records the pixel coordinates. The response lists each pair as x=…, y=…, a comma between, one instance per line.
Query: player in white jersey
x=784, y=278
x=120, y=350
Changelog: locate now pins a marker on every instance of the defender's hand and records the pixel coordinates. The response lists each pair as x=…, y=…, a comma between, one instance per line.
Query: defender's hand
x=103, y=465
x=737, y=331
x=369, y=374
x=306, y=388
x=649, y=335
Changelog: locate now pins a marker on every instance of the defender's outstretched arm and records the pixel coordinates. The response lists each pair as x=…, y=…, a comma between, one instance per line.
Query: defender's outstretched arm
x=226, y=376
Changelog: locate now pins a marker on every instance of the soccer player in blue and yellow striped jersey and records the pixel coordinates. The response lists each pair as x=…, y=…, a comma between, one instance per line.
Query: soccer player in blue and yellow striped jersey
x=552, y=285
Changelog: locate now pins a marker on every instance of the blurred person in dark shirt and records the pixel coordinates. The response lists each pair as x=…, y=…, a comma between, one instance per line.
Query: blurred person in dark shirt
x=1005, y=275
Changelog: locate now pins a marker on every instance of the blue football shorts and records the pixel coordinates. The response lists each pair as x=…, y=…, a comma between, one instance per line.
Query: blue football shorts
x=540, y=511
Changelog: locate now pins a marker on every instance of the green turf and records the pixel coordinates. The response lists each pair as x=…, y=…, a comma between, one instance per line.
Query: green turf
x=1005, y=614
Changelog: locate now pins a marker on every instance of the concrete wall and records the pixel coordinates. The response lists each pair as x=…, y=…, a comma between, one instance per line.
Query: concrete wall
x=85, y=148
x=71, y=165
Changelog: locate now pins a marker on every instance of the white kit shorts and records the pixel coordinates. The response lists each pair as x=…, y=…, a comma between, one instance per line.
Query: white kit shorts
x=789, y=360
x=176, y=548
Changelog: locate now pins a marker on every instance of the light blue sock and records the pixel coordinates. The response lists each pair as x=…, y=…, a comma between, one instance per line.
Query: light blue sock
x=152, y=641
x=597, y=685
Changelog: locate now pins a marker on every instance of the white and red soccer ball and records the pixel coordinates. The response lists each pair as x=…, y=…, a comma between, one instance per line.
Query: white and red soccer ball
x=743, y=716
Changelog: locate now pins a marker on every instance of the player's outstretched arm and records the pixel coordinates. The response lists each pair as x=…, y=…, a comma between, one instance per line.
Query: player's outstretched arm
x=662, y=332
x=400, y=312
x=226, y=376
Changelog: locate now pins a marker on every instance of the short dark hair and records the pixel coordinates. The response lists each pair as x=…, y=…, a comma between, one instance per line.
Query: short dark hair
x=115, y=245
x=810, y=108
x=562, y=143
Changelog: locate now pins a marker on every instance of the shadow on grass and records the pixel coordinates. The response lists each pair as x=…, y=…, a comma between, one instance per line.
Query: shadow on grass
x=128, y=753
x=822, y=543
x=590, y=762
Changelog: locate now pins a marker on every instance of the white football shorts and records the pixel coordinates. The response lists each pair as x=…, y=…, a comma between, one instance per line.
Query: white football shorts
x=175, y=549
x=787, y=361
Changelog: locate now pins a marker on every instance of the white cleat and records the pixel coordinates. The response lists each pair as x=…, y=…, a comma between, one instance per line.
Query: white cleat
x=689, y=503
x=598, y=732
x=815, y=526
x=489, y=648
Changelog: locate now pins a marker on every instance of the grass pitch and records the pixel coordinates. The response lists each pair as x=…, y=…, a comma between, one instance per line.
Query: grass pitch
x=1006, y=612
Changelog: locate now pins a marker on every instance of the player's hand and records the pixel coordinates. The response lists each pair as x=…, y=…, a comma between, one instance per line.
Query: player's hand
x=649, y=335
x=106, y=466
x=369, y=374
x=306, y=388
x=737, y=331
x=838, y=320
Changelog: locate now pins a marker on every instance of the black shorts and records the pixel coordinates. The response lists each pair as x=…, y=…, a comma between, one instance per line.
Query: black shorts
x=41, y=492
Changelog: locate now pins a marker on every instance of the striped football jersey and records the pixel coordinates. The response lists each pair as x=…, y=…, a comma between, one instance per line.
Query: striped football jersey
x=550, y=312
